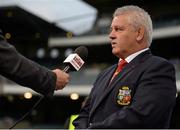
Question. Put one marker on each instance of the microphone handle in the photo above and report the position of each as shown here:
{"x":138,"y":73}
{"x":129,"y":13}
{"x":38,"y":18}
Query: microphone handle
{"x":66,"y":69}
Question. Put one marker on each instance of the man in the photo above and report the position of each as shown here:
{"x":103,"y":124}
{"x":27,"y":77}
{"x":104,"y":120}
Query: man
{"x":143,"y":94}
{"x":27,"y":73}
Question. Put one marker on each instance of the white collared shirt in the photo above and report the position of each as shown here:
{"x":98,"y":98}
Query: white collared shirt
{"x":132,"y":56}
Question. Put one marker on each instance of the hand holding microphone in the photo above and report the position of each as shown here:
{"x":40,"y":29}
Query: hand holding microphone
{"x":72,"y":63}
{"x":62,"y":79}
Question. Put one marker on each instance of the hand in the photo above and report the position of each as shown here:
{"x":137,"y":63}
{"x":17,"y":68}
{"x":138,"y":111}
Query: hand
{"x":62,"y":79}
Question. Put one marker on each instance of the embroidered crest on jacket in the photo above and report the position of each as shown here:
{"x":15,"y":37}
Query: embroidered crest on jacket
{"x":124,"y":96}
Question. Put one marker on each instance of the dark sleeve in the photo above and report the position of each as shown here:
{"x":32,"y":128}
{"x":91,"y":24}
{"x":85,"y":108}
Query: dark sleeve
{"x":24,"y":71}
{"x":81,"y":122}
{"x":153,"y":100}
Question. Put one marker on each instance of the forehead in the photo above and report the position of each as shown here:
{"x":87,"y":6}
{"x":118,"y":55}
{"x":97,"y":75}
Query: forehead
{"x":120,"y":20}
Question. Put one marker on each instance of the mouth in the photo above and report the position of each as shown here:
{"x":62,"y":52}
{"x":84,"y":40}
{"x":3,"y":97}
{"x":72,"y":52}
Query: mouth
{"x":113,"y":44}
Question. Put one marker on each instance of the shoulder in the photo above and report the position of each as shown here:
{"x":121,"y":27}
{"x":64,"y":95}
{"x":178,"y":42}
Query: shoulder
{"x":159,"y":60}
{"x":158,"y":64}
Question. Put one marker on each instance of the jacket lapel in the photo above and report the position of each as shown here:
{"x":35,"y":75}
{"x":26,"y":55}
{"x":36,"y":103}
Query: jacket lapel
{"x":107,"y":88}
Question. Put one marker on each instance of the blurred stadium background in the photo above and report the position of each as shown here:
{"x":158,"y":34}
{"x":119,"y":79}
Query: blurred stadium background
{"x":47,"y":31}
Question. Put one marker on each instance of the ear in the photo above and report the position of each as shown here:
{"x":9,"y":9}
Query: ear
{"x":140,"y":33}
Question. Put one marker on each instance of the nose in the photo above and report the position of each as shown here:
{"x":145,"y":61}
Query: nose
{"x":112,"y":35}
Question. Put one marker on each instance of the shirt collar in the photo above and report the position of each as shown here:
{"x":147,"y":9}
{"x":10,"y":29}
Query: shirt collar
{"x":132,"y":56}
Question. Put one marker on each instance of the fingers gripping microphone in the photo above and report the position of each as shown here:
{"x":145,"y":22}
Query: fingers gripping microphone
{"x":76,"y":60}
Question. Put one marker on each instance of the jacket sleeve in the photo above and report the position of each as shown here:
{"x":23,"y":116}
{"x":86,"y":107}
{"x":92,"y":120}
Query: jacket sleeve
{"x":154,"y":96}
{"x":24,"y":71}
{"x":81,"y":122}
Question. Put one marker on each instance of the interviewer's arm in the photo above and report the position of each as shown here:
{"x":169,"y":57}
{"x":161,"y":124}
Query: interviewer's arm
{"x":28,"y":73}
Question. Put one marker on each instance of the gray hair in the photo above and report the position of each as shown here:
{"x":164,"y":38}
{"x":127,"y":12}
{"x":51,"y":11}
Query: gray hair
{"x":139,"y":18}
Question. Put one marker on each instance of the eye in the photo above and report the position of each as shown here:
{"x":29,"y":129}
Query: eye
{"x":117,"y":29}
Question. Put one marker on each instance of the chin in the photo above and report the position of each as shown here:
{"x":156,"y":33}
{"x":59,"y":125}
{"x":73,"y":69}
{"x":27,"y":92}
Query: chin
{"x":115,"y":53}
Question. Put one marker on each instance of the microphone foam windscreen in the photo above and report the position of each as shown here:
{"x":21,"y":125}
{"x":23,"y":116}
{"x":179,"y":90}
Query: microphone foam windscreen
{"x":82,"y":51}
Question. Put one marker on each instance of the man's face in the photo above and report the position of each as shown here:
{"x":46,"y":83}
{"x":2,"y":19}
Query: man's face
{"x":123,"y":37}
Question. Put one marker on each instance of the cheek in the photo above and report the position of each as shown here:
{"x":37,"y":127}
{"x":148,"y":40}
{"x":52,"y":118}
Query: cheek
{"x":122,"y":43}
{"x":123,"y":39}
{"x":126,"y":42}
